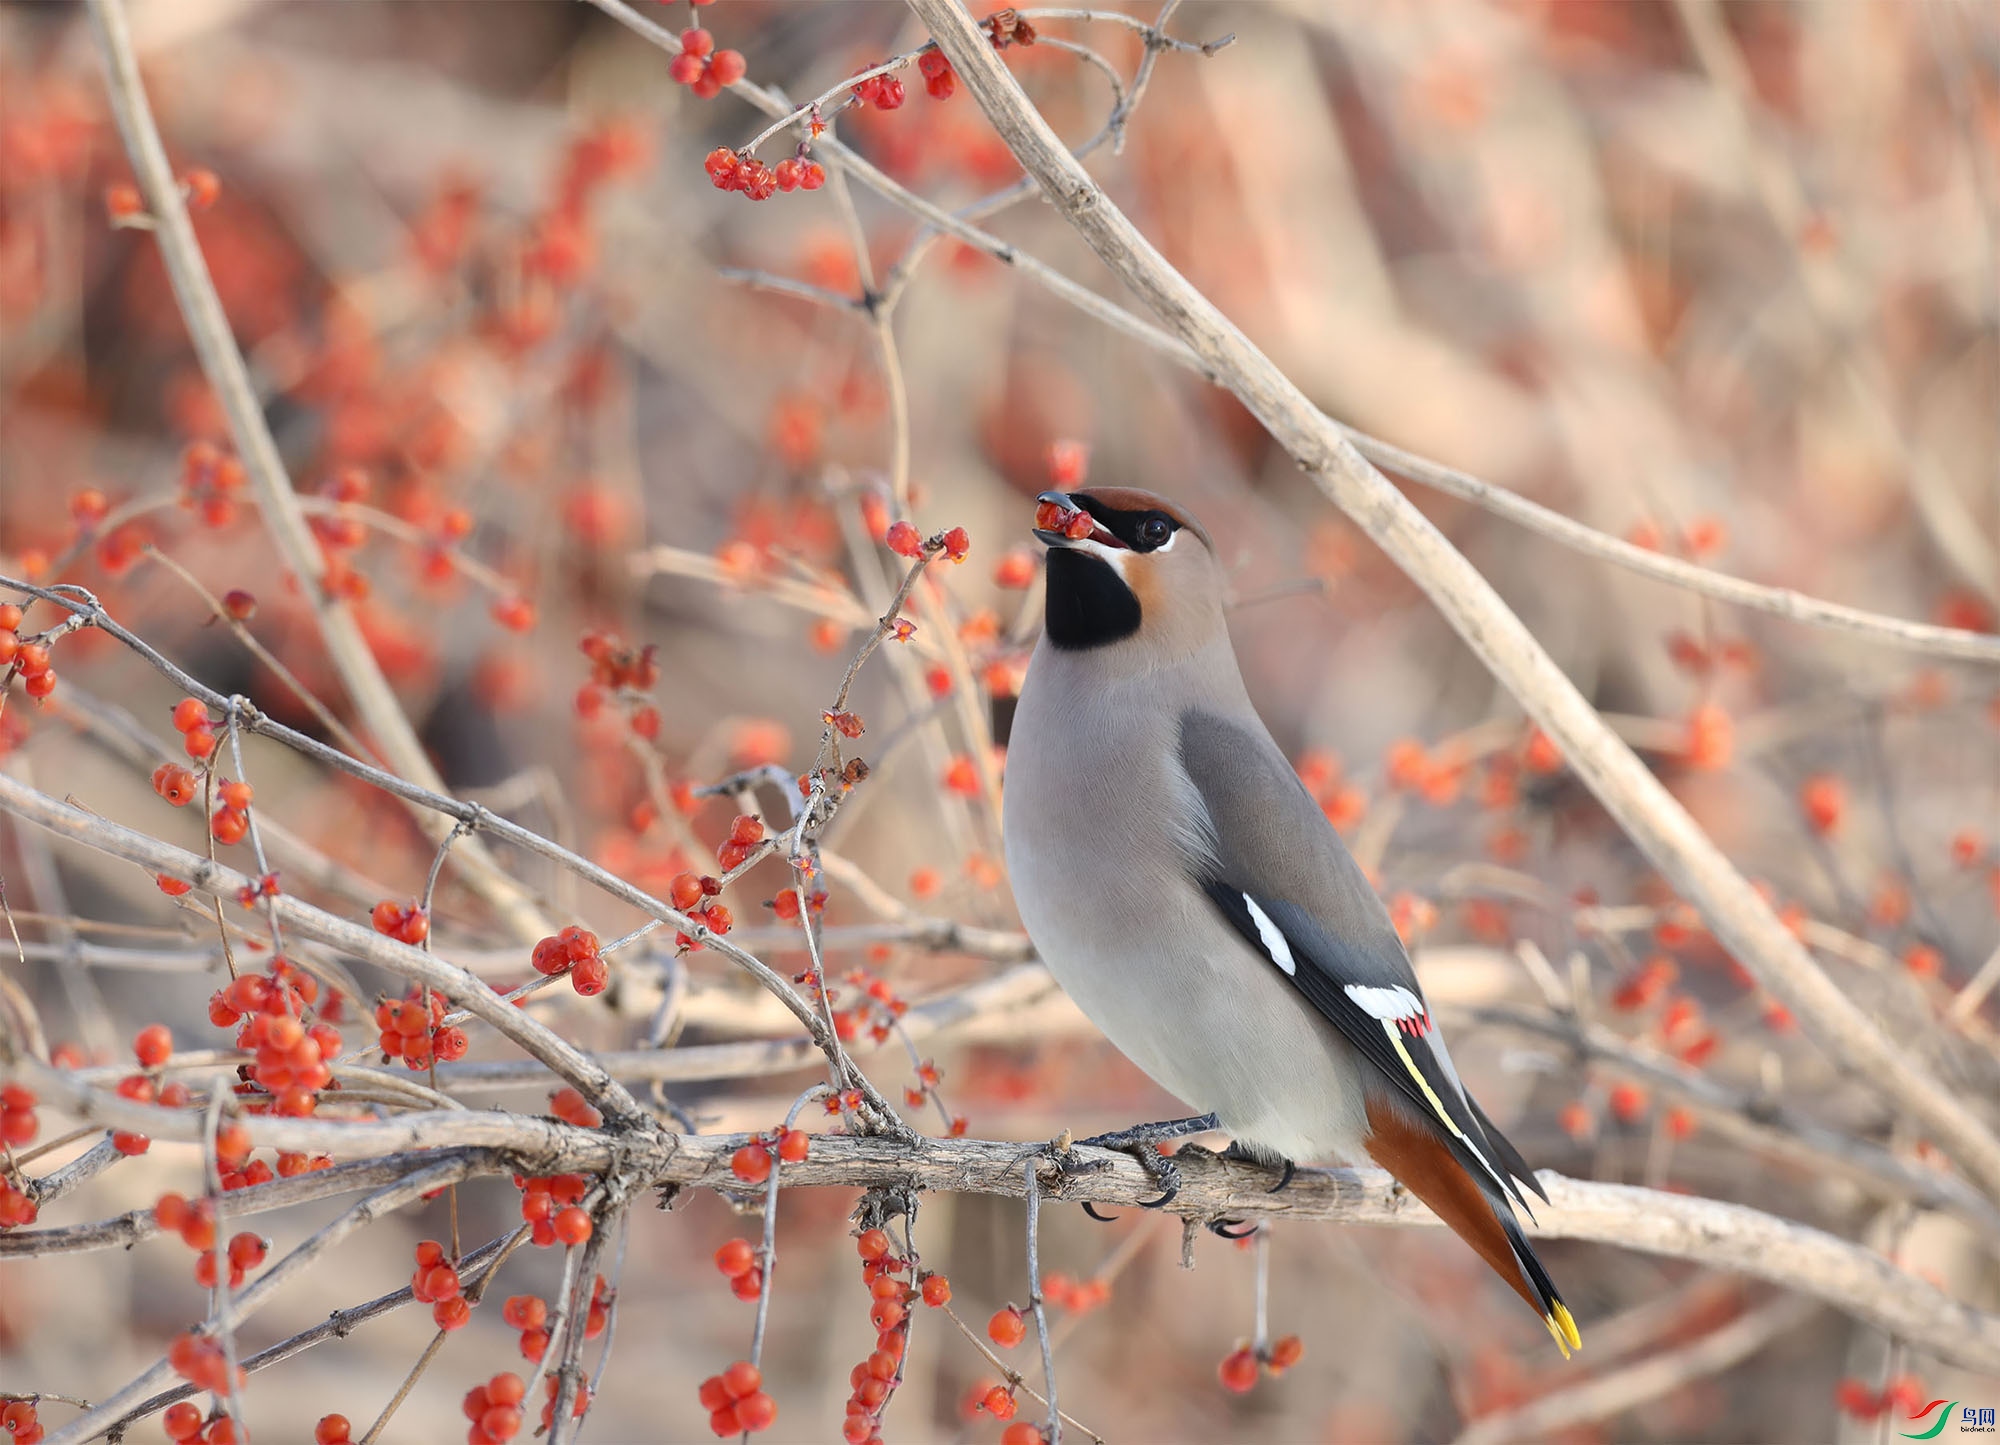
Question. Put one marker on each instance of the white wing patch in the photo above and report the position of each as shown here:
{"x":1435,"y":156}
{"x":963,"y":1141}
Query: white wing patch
{"x":1393,"y":1004}
{"x":1273,"y":939}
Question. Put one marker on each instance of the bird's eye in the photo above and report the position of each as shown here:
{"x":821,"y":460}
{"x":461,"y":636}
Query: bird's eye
{"x":1154,"y":531}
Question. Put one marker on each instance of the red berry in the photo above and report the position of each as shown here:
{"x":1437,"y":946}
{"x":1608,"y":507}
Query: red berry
{"x":902,"y":539}
{"x":998,"y":1402}
{"x":1238,"y":1371}
{"x":190,"y":713}
{"x":793,"y":1146}
{"x":736,"y":1258}
{"x":199,"y":741}
{"x":698,"y":43}
{"x":572,"y":1225}
{"x":872,"y":1244}
{"x":726,"y":67}
{"x":751,"y":1164}
{"x":1285,"y":1353}
{"x":154,"y":1046}
{"x":1021,"y":1433}
{"x":937,"y":1290}
{"x":203,"y":186}
{"x":812,"y":175}
{"x":756,"y":1411}
{"x":1006,"y":1329}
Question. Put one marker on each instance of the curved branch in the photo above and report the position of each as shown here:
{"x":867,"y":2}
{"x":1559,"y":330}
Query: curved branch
{"x":1743,"y":921}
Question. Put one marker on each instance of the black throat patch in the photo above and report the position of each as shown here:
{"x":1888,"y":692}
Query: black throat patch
{"x":1089,"y":604}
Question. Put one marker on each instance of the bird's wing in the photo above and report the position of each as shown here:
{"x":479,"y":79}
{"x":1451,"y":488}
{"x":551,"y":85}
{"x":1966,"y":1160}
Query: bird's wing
{"x":1279,"y":873}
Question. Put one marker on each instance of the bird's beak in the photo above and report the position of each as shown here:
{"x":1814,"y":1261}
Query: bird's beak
{"x":1060,"y":522}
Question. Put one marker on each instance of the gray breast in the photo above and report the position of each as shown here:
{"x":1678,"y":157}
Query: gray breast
{"x":1100,"y":823}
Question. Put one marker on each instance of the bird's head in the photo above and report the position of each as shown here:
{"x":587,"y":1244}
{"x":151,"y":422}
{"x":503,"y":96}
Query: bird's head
{"x":1128,"y":570}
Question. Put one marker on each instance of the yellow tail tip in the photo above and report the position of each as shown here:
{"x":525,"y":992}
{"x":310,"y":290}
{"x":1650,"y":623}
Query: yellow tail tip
{"x":1562,"y":1324}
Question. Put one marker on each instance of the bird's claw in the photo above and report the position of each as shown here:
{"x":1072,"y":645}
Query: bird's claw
{"x":1263,"y":1161}
{"x":1227,"y":1229}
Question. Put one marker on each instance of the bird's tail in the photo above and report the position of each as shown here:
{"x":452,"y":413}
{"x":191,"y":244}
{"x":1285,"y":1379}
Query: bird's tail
{"x":1432,"y":1168}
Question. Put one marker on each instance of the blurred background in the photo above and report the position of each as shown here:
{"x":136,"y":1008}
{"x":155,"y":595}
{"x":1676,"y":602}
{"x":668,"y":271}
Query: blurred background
{"x":1719,"y":279}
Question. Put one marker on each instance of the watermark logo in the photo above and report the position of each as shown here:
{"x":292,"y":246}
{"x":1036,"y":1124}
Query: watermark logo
{"x":1971,"y":1420}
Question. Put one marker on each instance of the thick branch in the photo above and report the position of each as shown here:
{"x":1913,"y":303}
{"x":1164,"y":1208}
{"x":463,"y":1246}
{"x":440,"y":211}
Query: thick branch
{"x":1709,"y":1232}
{"x":1740,"y":919}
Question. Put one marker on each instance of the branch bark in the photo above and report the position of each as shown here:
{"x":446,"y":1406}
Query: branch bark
{"x":1705,"y":1231}
{"x":1650,"y":815}
{"x":222,"y":364}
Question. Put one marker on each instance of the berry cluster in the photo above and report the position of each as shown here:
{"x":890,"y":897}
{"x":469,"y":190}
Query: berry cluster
{"x":412,"y":1028}
{"x":553,"y":1208}
{"x":616,"y":668}
{"x":407,"y":922}
{"x":895,"y":1285}
{"x":29,"y":659}
{"x":528,"y":1314}
{"x":572,"y":1108}
{"x":339,"y":535}
{"x":18,"y":1419}
{"x":1905,"y":1394}
{"x":550,"y":1388}
{"x":736,"y":1402}
{"x":574,"y":951}
{"x":1073,"y":522}
{"x":209,"y":483}
{"x":730,"y":170}
{"x":200,"y":1361}
{"x":745,"y":833}
{"x":1238,"y":1371}
{"x":939,"y":79}
{"x":184,"y":1424}
{"x":494,"y":1409}
{"x":903,"y":539}
{"x":16,"y":1208}
{"x":1008,"y":27}
{"x":194,"y":1221}
{"x":435,"y":1282}
{"x":752,"y":1162}
{"x":884,"y":92}
{"x":738,"y":1261}
{"x":702,"y":68}
{"x":687,"y":890}
{"x":18,"y":1125}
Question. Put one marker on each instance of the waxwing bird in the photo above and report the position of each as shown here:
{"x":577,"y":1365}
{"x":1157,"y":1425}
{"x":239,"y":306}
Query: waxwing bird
{"x":1185,"y":889}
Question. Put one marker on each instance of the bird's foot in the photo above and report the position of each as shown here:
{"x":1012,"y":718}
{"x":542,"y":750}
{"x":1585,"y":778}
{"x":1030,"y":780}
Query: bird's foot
{"x":1232,"y":1229}
{"x":1142,"y":1143}
{"x":1246,"y":1156}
